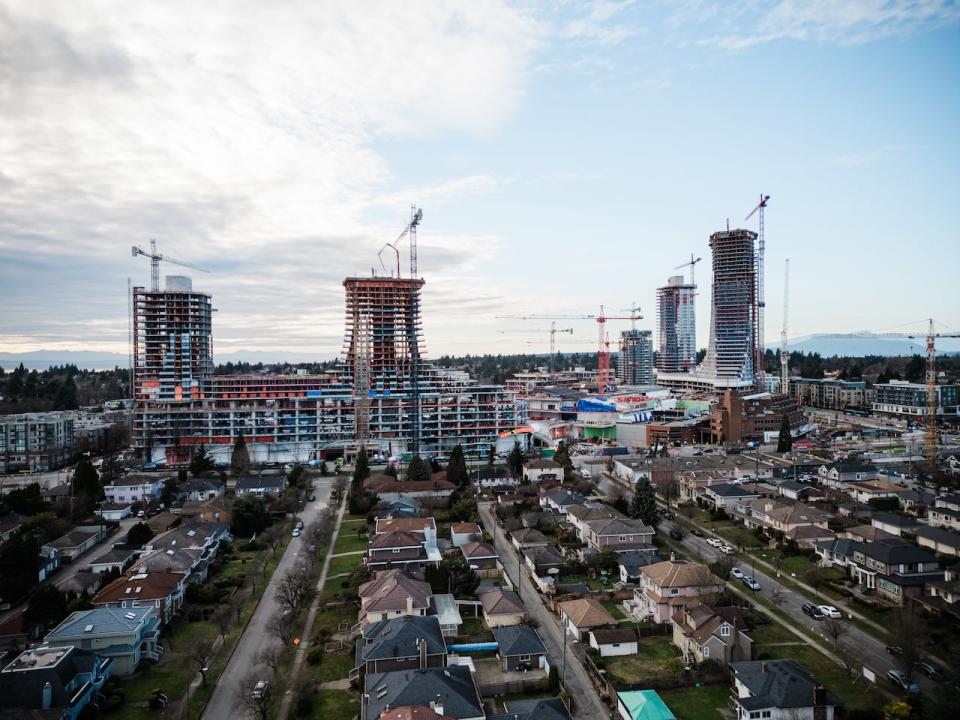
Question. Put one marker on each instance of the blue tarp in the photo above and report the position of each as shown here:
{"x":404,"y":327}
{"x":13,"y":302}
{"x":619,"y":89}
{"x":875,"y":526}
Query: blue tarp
{"x":595,"y":406}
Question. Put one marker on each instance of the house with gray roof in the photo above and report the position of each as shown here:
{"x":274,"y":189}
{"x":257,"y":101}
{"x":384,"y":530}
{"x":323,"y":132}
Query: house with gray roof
{"x":449,"y":691}
{"x":561,"y":500}
{"x":536,"y":709}
{"x":126,"y":635}
{"x":268,"y":485}
{"x":519,"y":647}
{"x":894,"y":568}
{"x":725,"y":496}
{"x":619,"y":534}
{"x":938,"y":540}
{"x":780,"y":690}
{"x":52,"y":682}
{"x":630,"y":563}
{"x":401,"y":643}
{"x":527,"y":538}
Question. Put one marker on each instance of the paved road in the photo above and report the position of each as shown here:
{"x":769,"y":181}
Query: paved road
{"x":223,"y":703}
{"x":867,"y":649}
{"x":587,"y":702}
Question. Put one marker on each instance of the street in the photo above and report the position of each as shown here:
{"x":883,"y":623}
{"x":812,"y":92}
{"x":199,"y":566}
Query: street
{"x":865,"y":648}
{"x":587,"y":703}
{"x":223,"y":703}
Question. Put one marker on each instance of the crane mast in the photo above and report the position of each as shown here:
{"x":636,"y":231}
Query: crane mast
{"x":784,"y":352}
{"x":759,"y":370}
{"x":155,"y":259}
{"x":411,"y":230}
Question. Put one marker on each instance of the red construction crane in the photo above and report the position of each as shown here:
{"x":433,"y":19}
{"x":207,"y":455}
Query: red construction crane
{"x":603,"y":345}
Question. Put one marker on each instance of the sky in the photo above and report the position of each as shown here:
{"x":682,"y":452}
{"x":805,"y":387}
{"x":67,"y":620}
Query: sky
{"x":566,"y":155}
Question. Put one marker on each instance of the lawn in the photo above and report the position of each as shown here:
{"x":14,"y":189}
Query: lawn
{"x":613,"y":607}
{"x":698,"y":703}
{"x":833,"y":676}
{"x":333,"y":705}
{"x":349,"y":541}
{"x":654,"y":653}
{"x":332,"y":666}
{"x":589,"y":582}
{"x":473,"y":627}
{"x":772,"y":632}
{"x":344,"y":565}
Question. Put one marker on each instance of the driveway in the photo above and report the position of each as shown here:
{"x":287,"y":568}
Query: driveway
{"x":588,"y":705}
{"x":223,"y":703}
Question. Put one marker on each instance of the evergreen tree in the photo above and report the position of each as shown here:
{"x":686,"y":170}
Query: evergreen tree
{"x":86,"y":487}
{"x":515,"y":460}
{"x":139,"y":534}
{"x":562,"y":456}
{"x":66,"y":398}
{"x":201,"y":462}
{"x":418,"y":470}
{"x":361,"y":471}
{"x":240,"y":458}
{"x":785,"y":441}
{"x":457,"y":468}
{"x":644,"y":505}
{"x":491,"y":457}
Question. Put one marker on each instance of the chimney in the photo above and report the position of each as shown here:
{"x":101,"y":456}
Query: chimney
{"x":423,"y":653}
{"x":47,"y":697}
{"x":438,"y":705}
{"x":819,"y":695}
{"x":409,"y":604}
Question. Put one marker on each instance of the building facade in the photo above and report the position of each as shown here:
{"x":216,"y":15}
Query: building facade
{"x":35,"y":442}
{"x":635,"y":364}
{"x":906,"y":399}
{"x":830,"y":394}
{"x":677,"y":326}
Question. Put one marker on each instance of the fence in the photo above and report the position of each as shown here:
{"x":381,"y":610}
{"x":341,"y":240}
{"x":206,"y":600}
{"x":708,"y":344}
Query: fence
{"x":685,"y":679}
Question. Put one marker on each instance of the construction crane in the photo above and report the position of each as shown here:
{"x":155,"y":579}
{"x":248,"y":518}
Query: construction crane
{"x":155,"y":259}
{"x":692,"y":263}
{"x":634,"y":310}
{"x":553,"y":338}
{"x":930,"y":415}
{"x":784,"y":352}
{"x":761,"y":304}
{"x":603,"y":345}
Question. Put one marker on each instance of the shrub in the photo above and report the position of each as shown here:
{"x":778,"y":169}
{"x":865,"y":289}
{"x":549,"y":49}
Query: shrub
{"x":304,"y":704}
{"x":315,"y":656}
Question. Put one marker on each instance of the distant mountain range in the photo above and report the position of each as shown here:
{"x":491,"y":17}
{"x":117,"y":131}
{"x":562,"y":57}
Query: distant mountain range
{"x":861,"y":346}
{"x":92,"y":360}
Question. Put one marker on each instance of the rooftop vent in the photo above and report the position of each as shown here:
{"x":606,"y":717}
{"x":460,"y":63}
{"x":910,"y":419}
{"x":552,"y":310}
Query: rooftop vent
{"x":130,"y":616}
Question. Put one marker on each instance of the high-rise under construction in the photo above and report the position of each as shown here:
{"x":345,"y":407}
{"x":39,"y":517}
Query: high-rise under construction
{"x":677,"y":326}
{"x":635,"y":362}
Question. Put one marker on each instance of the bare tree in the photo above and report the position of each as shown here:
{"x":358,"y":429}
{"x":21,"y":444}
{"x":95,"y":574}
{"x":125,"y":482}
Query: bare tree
{"x":255,"y":701}
{"x":281,"y":627}
{"x":836,"y":629}
{"x":225,"y":620}
{"x":272,"y":658}
{"x":909,"y":632}
{"x":201,"y":652}
{"x":778,"y":597}
{"x":273,"y":536}
{"x":297,"y":588}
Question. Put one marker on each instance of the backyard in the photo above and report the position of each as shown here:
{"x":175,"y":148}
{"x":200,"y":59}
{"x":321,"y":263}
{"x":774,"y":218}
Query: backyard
{"x":698,"y":703}
{"x":348,"y":540}
{"x":655,"y":656}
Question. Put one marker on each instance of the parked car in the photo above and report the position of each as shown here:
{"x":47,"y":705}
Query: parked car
{"x":726,"y":550}
{"x":930,"y":670}
{"x":714,"y":542}
{"x":750,"y":582}
{"x":312,"y":498}
{"x":697,"y":531}
{"x":737,"y":573}
{"x":813,"y":611}
{"x":296,"y":532}
{"x":830,"y":611}
{"x":899,"y":679}
{"x":260,"y":689}
{"x":894,"y":649}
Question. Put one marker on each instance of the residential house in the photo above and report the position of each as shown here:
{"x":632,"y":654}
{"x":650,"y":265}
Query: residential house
{"x":579,"y":515}
{"x":402,"y":643}
{"x":944,"y":595}
{"x":482,"y":558}
{"x":403,"y":506}
{"x":561,"y":500}
{"x":951,"y":501}
{"x":390,"y":489}
{"x":838,"y":475}
{"x":119,"y":558}
{"x":48,"y":562}
{"x":725,"y":496}
{"x":894,"y":568}
{"x":127,"y":636}
{"x":462,"y":533}
{"x":668,"y":586}
{"x":78,"y":541}
{"x":944,"y":514}
{"x":82,"y":582}
{"x":490,"y":478}
{"x":535,"y":709}
{"x":393,"y":593}
{"x":412,"y":712}
{"x":187,"y":549}
{"x":542,"y":470}
{"x":425,"y":526}
{"x":218,"y":509}
{"x":114,"y":512}
{"x":161,"y":590}
{"x":611,"y":642}
{"x":898,"y":525}
{"x":579,"y":617}
{"x":448,"y":691}
{"x":519,"y":647}
{"x":780,"y":690}
{"x":619,"y":534}
{"x":52,"y":683}
{"x":705,"y":633}
{"x":400,"y":549}
{"x":265,"y":486}
{"x":838,"y":551}
{"x":938,"y":540}
{"x":795,"y":490}
{"x":502,"y":608}
{"x":864,"y":492}
{"x":776,"y":516}
{"x":807,"y":536}
{"x":58,"y":494}
{"x":528,"y":538}
{"x":916,"y":501}
{"x":544,"y":561}
{"x":9,"y":524}
{"x":200,"y":489}
{"x":135,"y":488}
{"x":631,"y":562}
{"x":866,"y":533}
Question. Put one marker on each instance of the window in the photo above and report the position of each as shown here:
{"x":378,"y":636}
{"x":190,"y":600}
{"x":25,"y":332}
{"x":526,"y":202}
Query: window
{"x":396,"y":551}
{"x":524,"y":658}
{"x":674,"y":591}
{"x":725,"y":631}
{"x":765,"y":714}
{"x":706,"y":651}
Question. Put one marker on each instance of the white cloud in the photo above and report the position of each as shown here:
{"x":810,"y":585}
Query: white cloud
{"x":241,"y":135}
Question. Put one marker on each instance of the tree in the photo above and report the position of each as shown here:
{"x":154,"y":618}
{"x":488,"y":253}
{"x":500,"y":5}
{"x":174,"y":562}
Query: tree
{"x":909,"y":632}
{"x":361,"y":471}
{"x":201,"y":462}
{"x":139,"y":534}
{"x":644,"y":505}
{"x":19,"y":565}
{"x":281,"y":627}
{"x":66,"y":398}
{"x":86,"y":487}
{"x":201,"y":652}
{"x":785,"y":441}
{"x":836,"y":629}
{"x":515,"y":460}
{"x":562,"y":456}
{"x":297,"y":589}
{"x":250,"y":516}
{"x":465,"y":510}
{"x":46,"y":607}
{"x":272,"y":658}
{"x":491,"y":457}
{"x":457,"y":468}
{"x":110,"y":468}
{"x":239,"y":458}
{"x":418,"y":470}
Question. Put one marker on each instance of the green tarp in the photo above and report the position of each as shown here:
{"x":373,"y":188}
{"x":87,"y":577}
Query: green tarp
{"x":645,"y":705}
